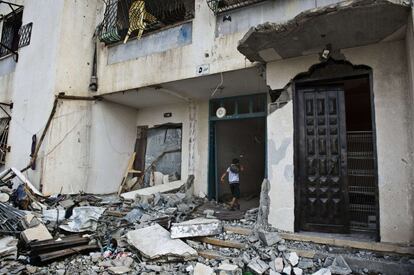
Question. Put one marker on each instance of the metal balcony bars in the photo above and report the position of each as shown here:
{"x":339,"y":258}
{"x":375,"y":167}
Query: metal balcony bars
{"x":140,"y":16}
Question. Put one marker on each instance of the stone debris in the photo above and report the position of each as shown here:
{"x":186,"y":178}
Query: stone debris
{"x":323,"y":271}
{"x":293,"y":258}
{"x":269,"y":238}
{"x":258,"y":266}
{"x":155,"y":242}
{"x":156,"y":230}
{"x":340,"y":266}
{"x":229,"y":269}
{"x":278,"y":264}
{"x":196,"y":228}
{"x":202,"y":269}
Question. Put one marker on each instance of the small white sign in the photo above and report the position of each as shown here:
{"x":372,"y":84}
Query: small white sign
{"x":203,"y":69}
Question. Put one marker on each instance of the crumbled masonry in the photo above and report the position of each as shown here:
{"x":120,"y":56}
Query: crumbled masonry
{"x":163,"y":233}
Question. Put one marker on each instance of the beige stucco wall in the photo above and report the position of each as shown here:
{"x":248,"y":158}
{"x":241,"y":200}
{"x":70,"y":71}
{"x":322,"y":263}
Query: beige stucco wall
{"x":393,"y":125}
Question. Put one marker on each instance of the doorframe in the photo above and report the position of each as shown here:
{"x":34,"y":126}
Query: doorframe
{"x":213,"y":185}
{"x":305,"y":79}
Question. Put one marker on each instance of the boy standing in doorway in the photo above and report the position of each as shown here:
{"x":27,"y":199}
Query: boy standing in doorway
{"x":234,"y":181}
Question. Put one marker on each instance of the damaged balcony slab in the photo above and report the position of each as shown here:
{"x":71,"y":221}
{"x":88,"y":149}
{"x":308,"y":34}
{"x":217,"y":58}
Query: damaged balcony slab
{"x":196,"y":228}
{"x":162,"y":188}
{"x":343,"y":25}
{"x":155,"y":242}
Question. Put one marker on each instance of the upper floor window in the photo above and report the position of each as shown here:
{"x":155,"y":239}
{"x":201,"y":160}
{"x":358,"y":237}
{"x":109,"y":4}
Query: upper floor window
{"x":10,"y":32}
{"x":13,"y":34}
{"x":219,"y":6}
{"x":126,"y":19}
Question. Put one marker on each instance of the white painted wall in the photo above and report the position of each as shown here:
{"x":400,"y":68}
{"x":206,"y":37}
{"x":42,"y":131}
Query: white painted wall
{"x":280,"y":167}
{"x":394,"y":127}
{"x":113,"y":134}
{"x":214,"y":42}
{"x":33,"y":82}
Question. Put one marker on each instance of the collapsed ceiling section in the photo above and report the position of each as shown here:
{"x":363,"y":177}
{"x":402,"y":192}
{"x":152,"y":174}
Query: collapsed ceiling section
{"x":343,"y":25}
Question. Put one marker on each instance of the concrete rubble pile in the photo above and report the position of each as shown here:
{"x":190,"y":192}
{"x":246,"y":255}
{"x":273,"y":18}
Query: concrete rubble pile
{"x":152,"y":233}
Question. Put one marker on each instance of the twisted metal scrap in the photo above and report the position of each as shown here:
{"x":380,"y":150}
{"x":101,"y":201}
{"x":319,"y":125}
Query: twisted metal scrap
{"x":138,"y":19}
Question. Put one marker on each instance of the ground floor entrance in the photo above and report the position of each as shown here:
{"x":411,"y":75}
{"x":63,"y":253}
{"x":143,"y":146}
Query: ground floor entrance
{"x":239,"y":134}
{"x":336,"y":176}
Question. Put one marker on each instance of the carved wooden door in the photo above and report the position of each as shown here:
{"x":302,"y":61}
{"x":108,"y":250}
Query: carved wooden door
{"x":321,"y":151}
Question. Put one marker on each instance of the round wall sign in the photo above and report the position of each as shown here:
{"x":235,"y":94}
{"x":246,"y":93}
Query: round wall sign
{"x":221,"y":112}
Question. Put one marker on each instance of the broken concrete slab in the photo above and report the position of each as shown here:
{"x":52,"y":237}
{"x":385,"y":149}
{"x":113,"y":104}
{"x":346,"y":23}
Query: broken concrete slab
{"x":196,"y":228}
{"x":269,"y":238}
{"x":163,"y":188}
{"x":340,"y":266}
{"x":155,"y":242}
{"x":229,"y":269}
{"x":201,"y":269}
{"x":258,"y":266}
{"x":37,"y":233}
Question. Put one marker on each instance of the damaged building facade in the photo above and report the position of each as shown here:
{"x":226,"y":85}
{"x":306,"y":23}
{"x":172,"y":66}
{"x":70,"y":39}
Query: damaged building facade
{"x":316,"y":96}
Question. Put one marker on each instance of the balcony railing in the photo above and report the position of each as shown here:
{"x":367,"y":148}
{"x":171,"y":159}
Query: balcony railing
{"x":126,"y":19}
{"x":220,"y":6}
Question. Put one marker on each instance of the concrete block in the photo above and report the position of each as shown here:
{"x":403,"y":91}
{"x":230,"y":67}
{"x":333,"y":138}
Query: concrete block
{"x":201,"y":269}
{"x":278,"y":264}
{"x":269,"y":238}
{"x":229,"y":269}
{"x":293,"y":258}
{"x":297,"y":271}
{"x":196,"y":228}
{"x":155,"y":242}
{"x":258,"y":266}
{"x":37,"y":233}
{"x":287,"y":270}
{"x":340,"y":266}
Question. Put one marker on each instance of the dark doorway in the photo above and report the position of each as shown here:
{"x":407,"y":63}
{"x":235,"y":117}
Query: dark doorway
{"x":239,"y":133}
{"x":336,"y":186}
{"x":243,"y":139}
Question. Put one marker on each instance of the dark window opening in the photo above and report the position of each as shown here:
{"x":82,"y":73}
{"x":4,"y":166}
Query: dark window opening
{"x":10,"y":35}
{"x":158,"y":14}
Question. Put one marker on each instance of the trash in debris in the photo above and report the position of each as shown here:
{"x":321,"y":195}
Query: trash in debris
{"x":196,"y":228}
{"x":8,"y":248}
{"x":84,"y":218}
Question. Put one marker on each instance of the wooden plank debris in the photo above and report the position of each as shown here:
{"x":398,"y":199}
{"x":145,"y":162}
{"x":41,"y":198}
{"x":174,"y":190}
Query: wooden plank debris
{"x":223,"y":243}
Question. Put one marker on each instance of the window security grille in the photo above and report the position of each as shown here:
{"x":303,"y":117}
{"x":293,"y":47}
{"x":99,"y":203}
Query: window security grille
{"x":219,"y":6}
{"x":13,"y":34}
{"x":4,"y":133}
{"x":116,"y":22}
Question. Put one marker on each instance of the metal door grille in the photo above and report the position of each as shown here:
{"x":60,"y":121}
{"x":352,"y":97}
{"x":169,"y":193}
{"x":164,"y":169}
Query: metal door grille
{"x":361,"y":181}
